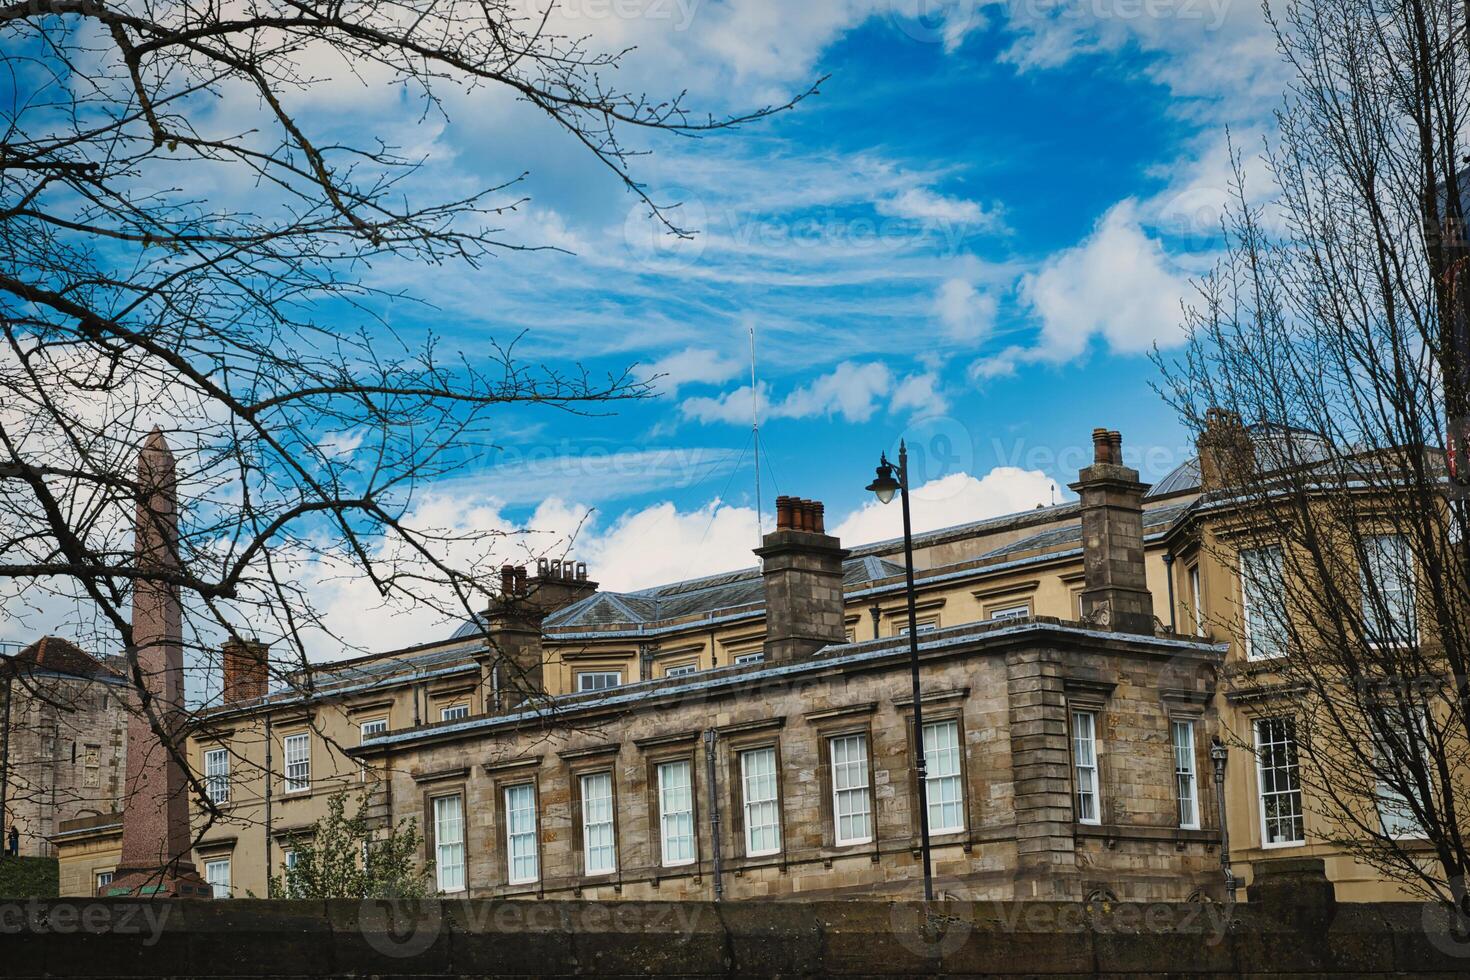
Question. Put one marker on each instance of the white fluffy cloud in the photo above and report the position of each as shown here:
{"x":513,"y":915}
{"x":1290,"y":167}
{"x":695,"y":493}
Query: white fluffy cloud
{"x":923,"y":204}
{"x":851,"y":391}
{"x":949,"y":500}
{"x":692,"y":365}
{"x":966,"y":314}
{"x":1118,"y":284}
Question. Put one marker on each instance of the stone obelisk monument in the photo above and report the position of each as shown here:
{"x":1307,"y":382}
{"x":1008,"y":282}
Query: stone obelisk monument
{"x":155,"y":845}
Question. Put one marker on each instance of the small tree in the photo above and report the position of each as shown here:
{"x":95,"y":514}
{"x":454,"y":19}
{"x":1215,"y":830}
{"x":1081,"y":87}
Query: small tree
{"x":341,"y":857}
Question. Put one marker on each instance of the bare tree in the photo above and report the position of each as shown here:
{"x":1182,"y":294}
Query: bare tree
{"x":131,"y":298}
{"x":1335,"y":328}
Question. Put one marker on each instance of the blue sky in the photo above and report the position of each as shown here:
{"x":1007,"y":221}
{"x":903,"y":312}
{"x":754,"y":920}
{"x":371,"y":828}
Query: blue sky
{"x":970,"y":238}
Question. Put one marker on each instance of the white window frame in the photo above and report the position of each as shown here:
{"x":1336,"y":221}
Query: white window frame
{"x":760,"y":791}
{"x":1406,"y":591}
{"x":1186,"y":772}
{"x":219,"y":888}
{"x":217,"y":775}
{"x":1196,"y":599}
{"x":583,"y":678}
{"x":1288,"y":739}
{"x":758,"y":657}
{"x":945,"y":775}
{"x":102,"y":879}
{"x":365,"y":731}
{"x":1086,"y":784}
{"x":851,"y":795}
{"x":1410,"y":828}
{"x":300,"y":780}
{"x":1251,"y":604}
{"x":521,"y":844}
{"x":1018,"y":611}
{"x":673,"y":813}
{"x":450,"y":866}
{"x":454,"y":712}
{"x":926,"y":625}
{"x":598,"y":818}
{"x":682,"y":670}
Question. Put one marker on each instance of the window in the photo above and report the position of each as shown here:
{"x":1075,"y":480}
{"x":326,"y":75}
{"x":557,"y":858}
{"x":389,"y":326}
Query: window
{"x":676,"y":812}
{"x":1186,"y":779}
{"x":1280,"y":786}
{"x":290,"y":860}
{"x":520,"y":833}
{"x":1391,"y":753}
{"x":1084,"y":765}
{"x":751,"y":658}
{"x":104,"y":879}
{"x":598,"y":844}
{"x":762,"y":809}
{"x":683,"y":670}
{"x":1263,"y":602}
{"x":943,"y":789}
{"x":449,"y":843}
{"x":454,"y":712}
{"x":367,"y":730}
{"x":217,"y":874}
{"x":1010,"y":612}
{"x":598,"y":680}
{"x":1196,"y":601}
{"x":851,"y":806}
{"x":1386,"y":577}
{"x":217,"y":775}
{"x":925,"y":626}
{"x":298,"y":763}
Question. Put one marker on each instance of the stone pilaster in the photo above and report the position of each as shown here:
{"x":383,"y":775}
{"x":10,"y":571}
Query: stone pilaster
{"x":1046,"y":857}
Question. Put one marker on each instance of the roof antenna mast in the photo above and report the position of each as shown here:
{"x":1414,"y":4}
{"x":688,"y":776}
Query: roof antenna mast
{"x":755,"y":432}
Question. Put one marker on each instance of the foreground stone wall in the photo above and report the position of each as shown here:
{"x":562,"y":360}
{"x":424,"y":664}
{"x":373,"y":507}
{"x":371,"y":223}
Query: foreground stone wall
{"x":1291,"y":927}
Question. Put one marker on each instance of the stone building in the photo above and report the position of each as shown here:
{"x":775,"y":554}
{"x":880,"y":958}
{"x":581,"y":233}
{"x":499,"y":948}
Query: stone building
{"x":1090,"y":774}
{"x":62,"y":747}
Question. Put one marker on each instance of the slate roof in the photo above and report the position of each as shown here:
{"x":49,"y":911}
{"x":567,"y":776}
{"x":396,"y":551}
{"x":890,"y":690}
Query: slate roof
{"x":690,"y":598}
{"x":54,"y":655}
{"x":1155,"y":519}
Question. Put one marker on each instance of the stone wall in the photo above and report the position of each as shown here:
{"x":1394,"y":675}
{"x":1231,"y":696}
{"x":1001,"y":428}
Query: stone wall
{"x":1291,"y":927}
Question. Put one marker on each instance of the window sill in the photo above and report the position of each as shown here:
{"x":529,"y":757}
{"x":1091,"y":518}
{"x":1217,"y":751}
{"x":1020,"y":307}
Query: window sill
{"x":1279,"y":845}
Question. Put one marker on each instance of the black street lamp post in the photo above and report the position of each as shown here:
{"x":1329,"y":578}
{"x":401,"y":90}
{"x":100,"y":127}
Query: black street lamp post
{"x":885,"y":486}
{"x":1218,"y":756}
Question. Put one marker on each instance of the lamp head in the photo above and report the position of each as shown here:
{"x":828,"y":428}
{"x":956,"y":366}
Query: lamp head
{"x":884,"y":486}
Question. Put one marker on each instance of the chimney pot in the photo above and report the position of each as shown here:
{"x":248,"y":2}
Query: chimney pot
{"x":803,"y":582}
{"x":507,"y":580}
{"x":784,"y":513}
{"x":819,"y":521}
{"x":1100,"y":446}
{"x":246,"y":670}
{"x":1115,"y":447}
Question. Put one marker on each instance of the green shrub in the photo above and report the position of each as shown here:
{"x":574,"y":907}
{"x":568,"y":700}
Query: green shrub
{"x":29,"y":877}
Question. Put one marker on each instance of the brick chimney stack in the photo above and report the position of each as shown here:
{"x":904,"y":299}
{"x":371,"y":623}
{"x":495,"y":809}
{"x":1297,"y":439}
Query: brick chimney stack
{"x":1116,"y":595}
{"x":1227,"y":456}
{"x":511,"y":664}
{"x":558,"y":583}
{"x":246,"y":670}
{"x":802,"y":568}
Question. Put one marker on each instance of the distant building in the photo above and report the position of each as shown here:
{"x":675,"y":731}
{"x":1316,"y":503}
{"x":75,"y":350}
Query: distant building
{"x":62,"y":740}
